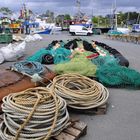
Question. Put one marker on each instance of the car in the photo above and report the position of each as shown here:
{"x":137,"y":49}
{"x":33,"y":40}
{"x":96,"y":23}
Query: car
{"x":80,"y":30}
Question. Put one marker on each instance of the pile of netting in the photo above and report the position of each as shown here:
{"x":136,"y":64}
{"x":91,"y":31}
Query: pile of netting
{"x":121,"y":59}
{"x":110,"y":73}
{"x":35,"y":114}
{"x":78,"y":64}
{"x":80,"y":92}
{"x":37,"y":56}
{"x":101,"y":61}
{"x":56,"y":56}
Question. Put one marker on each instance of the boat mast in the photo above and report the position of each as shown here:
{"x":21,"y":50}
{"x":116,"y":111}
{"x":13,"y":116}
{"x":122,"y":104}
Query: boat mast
{"x":115,"y":13}
{"x":114,"y":17}
{"x":127,"y":20}
{"x":78,"y":3}
{"x":138,"y":19}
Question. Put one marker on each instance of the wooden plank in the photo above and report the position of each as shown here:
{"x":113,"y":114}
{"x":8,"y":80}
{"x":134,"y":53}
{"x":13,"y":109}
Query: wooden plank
{"x":101,"y":109}
{"x":80,"y":125}
{"x":64,"y":136}
{"x":95,"y":111}
{"x":72,"y":131}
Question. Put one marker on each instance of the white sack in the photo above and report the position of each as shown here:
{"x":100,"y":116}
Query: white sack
{"x":1,"y":58}
{"x":29,"y":38}
{"x":17,"y":38}
{"x":13,"y":51}
{"x":37,"y":37}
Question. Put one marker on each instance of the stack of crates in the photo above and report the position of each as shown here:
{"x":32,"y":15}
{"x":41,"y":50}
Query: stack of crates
{"x":6,"y":36}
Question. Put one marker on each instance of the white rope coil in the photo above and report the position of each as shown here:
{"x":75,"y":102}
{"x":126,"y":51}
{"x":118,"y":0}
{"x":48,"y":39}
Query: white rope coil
{"x":34,"y":114}
{"x":79,"y":91}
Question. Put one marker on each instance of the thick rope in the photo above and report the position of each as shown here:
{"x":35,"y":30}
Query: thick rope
{"x":35,"y":114}
{"x":79,"y":91}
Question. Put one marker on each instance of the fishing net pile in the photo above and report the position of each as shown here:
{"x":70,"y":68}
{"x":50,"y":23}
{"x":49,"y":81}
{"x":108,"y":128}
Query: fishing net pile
{"x":51,"y":54}
{"x":110,"y":73}
{"x":94,"y":59}
{"x":121,"y":59}
{"x":78,"y":64}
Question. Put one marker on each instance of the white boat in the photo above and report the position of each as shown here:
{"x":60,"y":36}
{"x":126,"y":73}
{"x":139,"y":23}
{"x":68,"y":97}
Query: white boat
{"x":124,"y":30}
{"x":136,"y":28}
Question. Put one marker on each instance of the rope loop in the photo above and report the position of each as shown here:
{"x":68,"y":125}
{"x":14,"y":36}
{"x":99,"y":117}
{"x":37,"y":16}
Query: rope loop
{"x":80,"y":92}
{"x":35,"y":114}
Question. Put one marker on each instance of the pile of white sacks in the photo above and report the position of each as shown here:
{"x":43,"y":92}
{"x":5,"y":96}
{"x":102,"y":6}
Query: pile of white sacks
{"x":14,"y":51}
{"x":34,"y":37}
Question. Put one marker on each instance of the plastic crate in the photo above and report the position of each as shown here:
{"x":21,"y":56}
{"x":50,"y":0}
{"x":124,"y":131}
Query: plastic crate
{"x":6,"y":38}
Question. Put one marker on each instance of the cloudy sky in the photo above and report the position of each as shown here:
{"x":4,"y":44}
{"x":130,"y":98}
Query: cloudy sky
{"x":97,"y":7}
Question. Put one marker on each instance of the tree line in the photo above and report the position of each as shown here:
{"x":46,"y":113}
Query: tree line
{"x":123,"y":19}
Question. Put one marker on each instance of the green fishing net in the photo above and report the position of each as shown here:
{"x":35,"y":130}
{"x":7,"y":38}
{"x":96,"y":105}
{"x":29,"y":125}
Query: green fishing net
{"x":101,"y":61}
{"x":37,"y":57}
{"x":114,"y":75}
{"x":110,"y":73}
{"x":60,"y":55}
{"x":79,"y":64}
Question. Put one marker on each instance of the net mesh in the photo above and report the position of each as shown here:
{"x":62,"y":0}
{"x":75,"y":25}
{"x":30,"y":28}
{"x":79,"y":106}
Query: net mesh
{"x":59,"y":55}
{"x":111,"y":74}
{"x":79,"y":64}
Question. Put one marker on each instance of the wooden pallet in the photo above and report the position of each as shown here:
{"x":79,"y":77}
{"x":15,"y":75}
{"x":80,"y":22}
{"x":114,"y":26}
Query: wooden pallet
{"x":73,"y":132}
{"x":101,"y":110}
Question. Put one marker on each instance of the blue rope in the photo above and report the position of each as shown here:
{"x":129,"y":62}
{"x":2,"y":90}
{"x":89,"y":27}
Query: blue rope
{"x":28,"y":67}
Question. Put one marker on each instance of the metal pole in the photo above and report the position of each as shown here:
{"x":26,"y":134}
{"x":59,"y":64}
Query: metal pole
{"x":79,"y":8}
{"x":116,"y":20}
{"x":138,"y":19}
{"x":98,"y":21}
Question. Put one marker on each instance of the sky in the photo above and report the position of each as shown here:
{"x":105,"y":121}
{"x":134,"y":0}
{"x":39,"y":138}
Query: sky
{"x":90,"y":7}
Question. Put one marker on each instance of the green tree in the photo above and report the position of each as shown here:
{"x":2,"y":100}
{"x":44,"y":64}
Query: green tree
{"x":99,"y":21}
{"x":67,"y":17}
{"x":5,"y":11}
{"x":95,"y":20}
{"x":122,"y":18}
{"x":49,"y":14}
{"x":133,"y":17}
{"x":60,"y":20}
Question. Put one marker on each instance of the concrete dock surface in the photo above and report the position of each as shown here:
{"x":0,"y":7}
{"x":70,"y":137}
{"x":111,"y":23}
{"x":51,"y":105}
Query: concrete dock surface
{"x":122,"y":121}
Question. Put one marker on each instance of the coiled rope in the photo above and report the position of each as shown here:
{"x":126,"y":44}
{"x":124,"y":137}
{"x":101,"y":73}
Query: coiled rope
{"x":28,"y":67}
{"x":79,"y":91}
{"x":34,"y":114}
